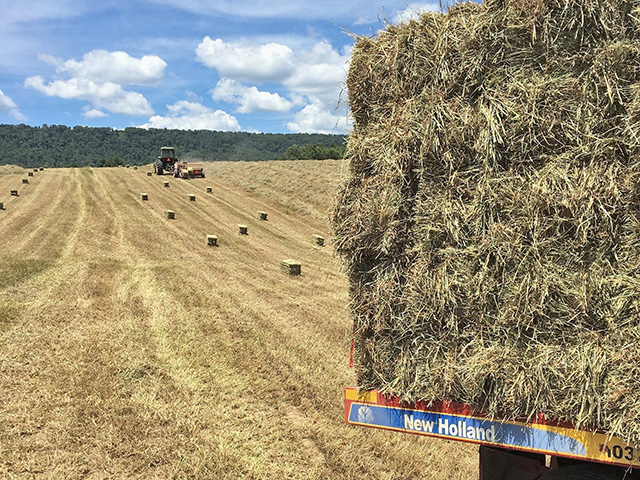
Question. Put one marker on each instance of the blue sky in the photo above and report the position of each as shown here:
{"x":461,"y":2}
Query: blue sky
{"x":255,"y":65}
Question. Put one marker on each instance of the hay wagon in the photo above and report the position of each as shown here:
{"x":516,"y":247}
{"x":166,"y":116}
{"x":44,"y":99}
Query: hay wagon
{"x":490,"y":231}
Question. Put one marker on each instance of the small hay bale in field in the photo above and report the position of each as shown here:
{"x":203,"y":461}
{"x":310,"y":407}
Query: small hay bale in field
{"x":290,"y":267}
{"x":128,"y":166}
{"x":170,"y":214}
{"x":35,"y":169}
{"x":489,"y":227}
{"x":212,"y":240}
{"x":192,"y":197}
{"x":318,"y":240}
{"x":14,"y":193}
{"x":25,"y":180}
{"x":209,"y":189}
{"x":149,"y":174}
{"x":262,"y":216}
{"x":135,"y":168}
{"x":243,"y":230}
{"x":144,"y":196}
{"x":41,"y":169}
{"x":30,"y":174}
{"x":166,"y":183}
{"x":1,"y":206}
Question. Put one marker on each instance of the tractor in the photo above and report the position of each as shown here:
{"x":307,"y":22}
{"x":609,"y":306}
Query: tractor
{"x":166,"y":161}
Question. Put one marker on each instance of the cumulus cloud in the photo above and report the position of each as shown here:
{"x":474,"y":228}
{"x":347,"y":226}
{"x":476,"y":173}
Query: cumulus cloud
{"x":249,"y":99}
{"x":312,"y":78}
{"x":317,"y":119}
{"x":98,"y":79}
{"x":116,"y":67}
{"x":108,"y":96}
{"x":93,"y":113}
{"x":9,"y":106}
{"x":184,"y":115}
{"x":245,"y":61}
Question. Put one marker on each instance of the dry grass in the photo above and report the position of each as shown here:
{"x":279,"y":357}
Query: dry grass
{"x":122,"y":358}
{"x":303,"y":186}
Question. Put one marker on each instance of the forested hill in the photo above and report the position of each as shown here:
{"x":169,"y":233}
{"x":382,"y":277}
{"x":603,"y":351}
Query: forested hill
{"x":61,"y":146}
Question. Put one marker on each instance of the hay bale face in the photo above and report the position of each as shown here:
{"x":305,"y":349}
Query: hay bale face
{"x":209,"y":189}
{"x":192,"y":197}
{"x":262,"y":216}
{"x":212,"y":240}
{"x":30,"y":174}
{"x":25,"y":180}
{"x":14,"y":193}
{"x":488,"y":226}
{"x":318,"y":240}
{"x":291,"y":267}
{"x":243,"y":230}
{"x":148,"y":174}
{"x":170,"y":214}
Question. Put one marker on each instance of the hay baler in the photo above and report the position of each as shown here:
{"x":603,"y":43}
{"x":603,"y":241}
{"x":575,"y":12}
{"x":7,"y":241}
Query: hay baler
{"x":508,"y":450}
{"x":188,"y":170}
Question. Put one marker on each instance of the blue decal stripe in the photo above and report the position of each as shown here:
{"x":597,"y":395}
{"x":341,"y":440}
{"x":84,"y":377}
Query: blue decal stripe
{"x":462,"y":427}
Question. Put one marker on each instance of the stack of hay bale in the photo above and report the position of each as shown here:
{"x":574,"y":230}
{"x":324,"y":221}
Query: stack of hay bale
{"x":491,"y":222}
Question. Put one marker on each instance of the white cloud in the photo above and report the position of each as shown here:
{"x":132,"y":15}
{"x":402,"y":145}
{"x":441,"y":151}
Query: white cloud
{"x":414,"y":10}
{"x":108,"y":96}
{"x":9,"y":106}
{"x":319,"y":74}
{"x":312,"y":77}
{"x":93,"y":113}
{"x":184,"y":115}
{"x":250,"y":99}
{"x":98,"y":79}
{"x":118,"y":67}
{"x":317,"y":119}
{"x":245,"y":61}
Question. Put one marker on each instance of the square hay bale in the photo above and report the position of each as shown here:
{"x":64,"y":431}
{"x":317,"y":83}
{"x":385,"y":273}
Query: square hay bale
{"x":262,"y":216}
{"x":149,"y":174}
{"x":489,"y":224}
{"x":318,"y":240}
{"x":166,"y":183}
{"x":192,"y":197}
{"x":170,"y":214}
{"x":30,"y":174}
{"x":14,"y":193}
{"x":25,"y":180}
{"x":212,"y":240}
{"x":1,"y":206}
{"x":41,"y":169}
{"x":144,"y":196}
{"x":35,"y":169}
{"x":243,"y":230}
{"x":291,"y":267}
{"x":209,"y":189}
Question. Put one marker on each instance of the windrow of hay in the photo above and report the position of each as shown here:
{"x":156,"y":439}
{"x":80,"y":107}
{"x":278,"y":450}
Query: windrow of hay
{"x":491,"y":222}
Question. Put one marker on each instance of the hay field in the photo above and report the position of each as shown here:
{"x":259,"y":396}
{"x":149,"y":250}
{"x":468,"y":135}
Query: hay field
{"x":130,"y":349}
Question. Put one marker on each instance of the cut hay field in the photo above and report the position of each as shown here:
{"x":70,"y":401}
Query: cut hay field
{"x":129,"y":349}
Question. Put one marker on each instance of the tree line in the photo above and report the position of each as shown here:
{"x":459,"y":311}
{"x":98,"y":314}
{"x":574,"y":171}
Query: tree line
{"x":62,"y":146}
